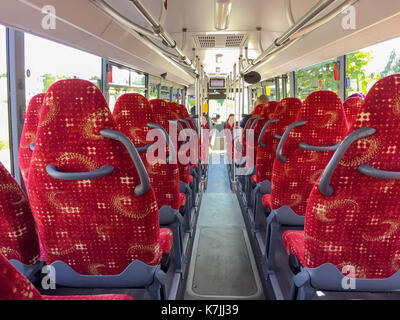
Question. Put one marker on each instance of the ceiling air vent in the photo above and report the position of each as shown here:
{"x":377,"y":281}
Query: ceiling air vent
{"x":233,"y":41}
{"x":206,"y":41}
{"x":218,"y":40}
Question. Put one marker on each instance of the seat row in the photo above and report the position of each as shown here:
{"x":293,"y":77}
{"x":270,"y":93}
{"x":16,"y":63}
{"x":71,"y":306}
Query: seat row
{"x":329,"y":170}
{"x":103,"y":212}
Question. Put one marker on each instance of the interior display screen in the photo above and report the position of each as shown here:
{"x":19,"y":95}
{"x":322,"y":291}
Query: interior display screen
{"x":217,"y":83}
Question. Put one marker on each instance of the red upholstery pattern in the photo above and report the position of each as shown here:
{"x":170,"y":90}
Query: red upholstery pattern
{"x":14,"y":286}
{"x":132,"y":113}
{"x":28,"y":135}
{"x":286,"y":111}
{"x":205,"y":139}
{"x":352,"y":107}
{"x":18,"y":237}
{"x":266,"y":200}
{"x":360,"y":224}
{"x":165,"y":240}
{"x":293,"y":180}
{"x":163,"y":112}
{"x":96,"y":226}
{"x":293,"y":240}
{"x":182,"y":199}
{"x":267,"y":113}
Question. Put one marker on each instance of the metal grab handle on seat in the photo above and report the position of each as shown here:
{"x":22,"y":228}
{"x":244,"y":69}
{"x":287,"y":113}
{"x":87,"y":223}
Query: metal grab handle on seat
{"x":324,"y":184}
{"x":172,"y":152}
{"x":279,"y":154}
{"x":308,"y":147}
{"x":248,"y":121}
{"x":376,"y":173}
{"x":144,"y":185}
{"x":194,"y":124}
{"x":266,"y":125}
{"x":71,"y":176}
{"x":255,"y":122}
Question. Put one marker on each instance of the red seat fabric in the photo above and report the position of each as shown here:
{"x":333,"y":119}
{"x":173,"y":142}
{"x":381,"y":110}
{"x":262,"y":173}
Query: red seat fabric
{"x":359,"y":225}
{"x":266,"y":112}
{"x":204,"y":139}
{"x":132,"y":113}
{"x":28,"y":135}
{"x":266,"y":200}
{"x":96,"y":226}
{"x":14,"y":286}
{"x":293,"y":240}
{"x":293,"y":180}
{"x":18,"y":237}
{"x":229,"y":135}
{"x":352,"y":107}
{"x":286,"y":111}
{"x":164,"y":112}
{"x":182,"y":199}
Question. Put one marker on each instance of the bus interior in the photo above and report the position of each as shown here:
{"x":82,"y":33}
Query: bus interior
{"x":199,"y":150}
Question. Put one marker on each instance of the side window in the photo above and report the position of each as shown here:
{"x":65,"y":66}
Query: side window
{"x":124,"y":80}
{"x":5,"y":156}
{"x":47,"y":62}
{"x":368,"y":65}
{"x":314,"y":78}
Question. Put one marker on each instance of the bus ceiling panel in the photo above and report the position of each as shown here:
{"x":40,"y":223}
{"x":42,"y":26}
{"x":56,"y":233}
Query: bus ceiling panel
{"x":374,"y":23}
{"x":14,"y":14}
{"x":91,"y":30}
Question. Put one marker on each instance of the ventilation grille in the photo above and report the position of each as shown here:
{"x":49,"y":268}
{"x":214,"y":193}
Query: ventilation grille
{"x":233,"y":41}
{"x":204,"y":41}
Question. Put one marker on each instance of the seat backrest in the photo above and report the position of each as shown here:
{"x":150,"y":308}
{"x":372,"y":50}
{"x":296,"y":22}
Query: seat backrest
{"x":96,"y":226}
{"x":132,"y":113}
{"x":326,"y":126}
{"x":13,"y":285}
{"x":286,"y":112}
{"x":28,"y":136}
{"x":266,"y":113}
{"x":359,"y":225}
{"x":352,"y":107}
{"x":18,"y":237}
{"x":230,"y":121}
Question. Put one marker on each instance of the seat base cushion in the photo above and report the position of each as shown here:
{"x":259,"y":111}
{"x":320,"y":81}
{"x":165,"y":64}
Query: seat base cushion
{"x":182,"y":199}
{"x":293,"y":240}
{"x":267,"y":201}
{"x":165,"y":240}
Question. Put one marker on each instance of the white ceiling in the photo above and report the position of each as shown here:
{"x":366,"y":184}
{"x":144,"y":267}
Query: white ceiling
{"x":197,"y":16}
{"x":83,"y":25}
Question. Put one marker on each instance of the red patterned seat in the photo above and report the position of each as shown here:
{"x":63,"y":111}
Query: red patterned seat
{"x":326,"y":125}
{"x":357,"y":223}
{"x":164,"y":112}
{"x":262,"y":114}
{"x":352,"y":107}
{"x":286,"y":112}
{"x":363,"y":210}
{"x":28,"y":136}
{"x":132,"y":114}
{"x":293,"y":241}
{"x":18,"y":237}
{"x":97,"y":226}
{"x":14,"y":286}
{"x":321,"y":122}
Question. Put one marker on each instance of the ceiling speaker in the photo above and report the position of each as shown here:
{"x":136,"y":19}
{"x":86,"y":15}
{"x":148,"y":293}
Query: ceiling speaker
{"x":252,"y":77}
